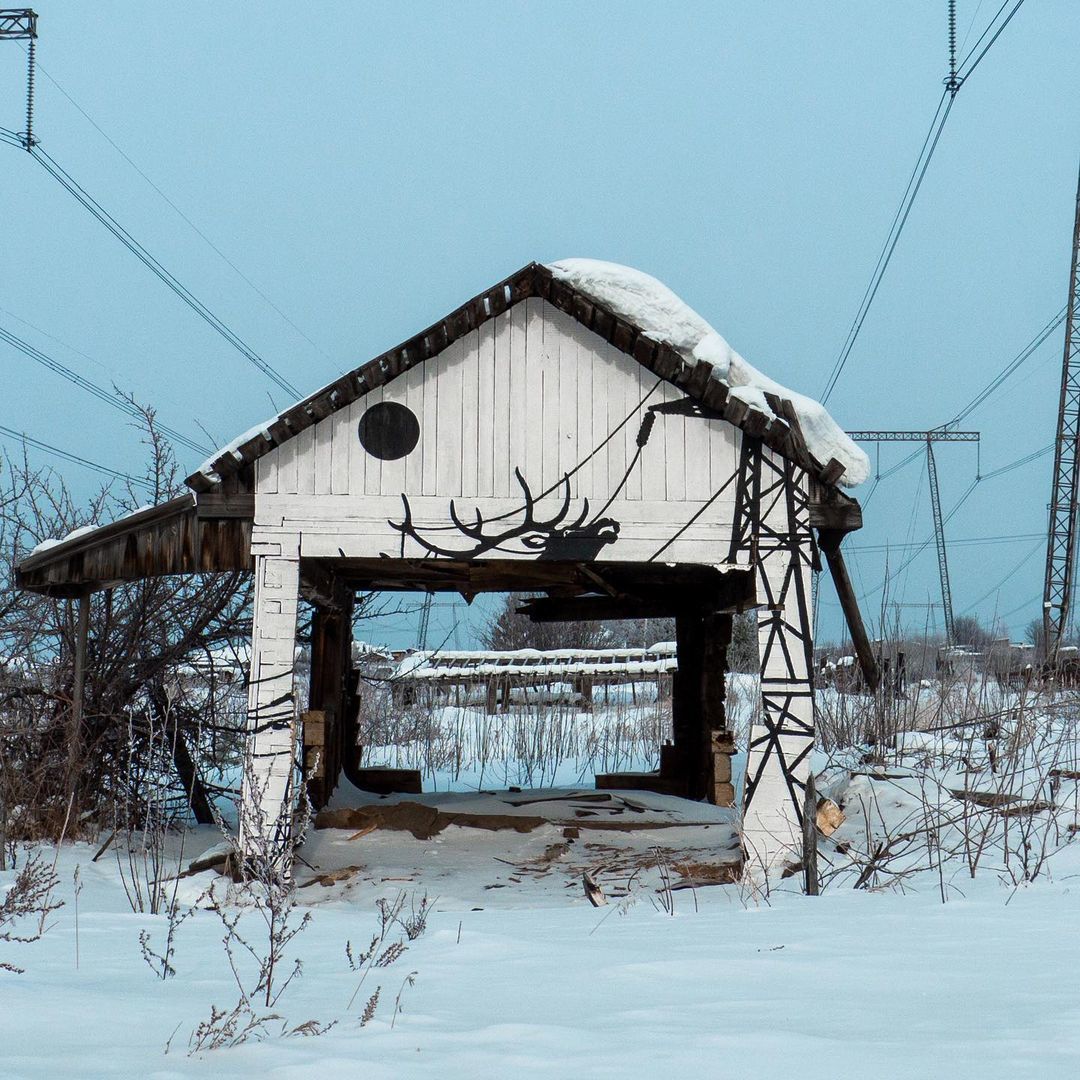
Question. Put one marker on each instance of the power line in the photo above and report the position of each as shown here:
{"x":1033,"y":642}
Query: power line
{"x":68,"y":182}
{"x":903,"y":211}
{"x":969,"y":541}
{"x":1021,"y":357}
{"x":92,"y":388}
{"x":920,"y":548}
{"x":22,"y":437}
{"x":966,"y":68}
{"x":195,"y":228}
{"x":953,"y":84}
{"x":1016,"y":569}
{"x":1034,"y":456}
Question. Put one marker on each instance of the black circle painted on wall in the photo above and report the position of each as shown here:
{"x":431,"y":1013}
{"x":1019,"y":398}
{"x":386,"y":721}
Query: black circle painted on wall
{"x":389,"y":430}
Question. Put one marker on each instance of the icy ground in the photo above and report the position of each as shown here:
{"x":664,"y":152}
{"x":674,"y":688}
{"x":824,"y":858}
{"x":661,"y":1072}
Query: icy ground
{"x":518,"y":975}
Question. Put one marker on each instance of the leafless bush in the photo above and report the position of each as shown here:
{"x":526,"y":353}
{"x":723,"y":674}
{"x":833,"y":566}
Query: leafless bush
{"x":141,"y":635}
{"x":29,"y":898}
{"x":526,"y":745}
{"x":996,"y":791}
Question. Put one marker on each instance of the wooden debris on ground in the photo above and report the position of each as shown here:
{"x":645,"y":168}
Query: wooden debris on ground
{"x":332,"y":877}
{"x":590,"y":809}
{"x":421,"y":820}
{"x":696,"y":874}
{"x":1037,"y":806}
{"x":593,"y":893}
{"x":1007,"y":805}
{"x":216,"y":858}
{"x":989,"y":800}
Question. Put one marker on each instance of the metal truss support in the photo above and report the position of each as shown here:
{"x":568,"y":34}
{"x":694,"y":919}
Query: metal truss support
{"x":18,"y":24}
{"x":772,"y":530}
{"x":938,"y":435}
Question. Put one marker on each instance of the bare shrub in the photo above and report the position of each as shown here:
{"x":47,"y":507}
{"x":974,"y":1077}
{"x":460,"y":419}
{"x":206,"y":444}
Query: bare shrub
{"x":141,"y":635}
{"x":258,"y":959}
{"x":527,"y":745}
{"x":28,"y":899}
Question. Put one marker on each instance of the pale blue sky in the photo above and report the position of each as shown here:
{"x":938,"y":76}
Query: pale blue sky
{"x":371,"y":165}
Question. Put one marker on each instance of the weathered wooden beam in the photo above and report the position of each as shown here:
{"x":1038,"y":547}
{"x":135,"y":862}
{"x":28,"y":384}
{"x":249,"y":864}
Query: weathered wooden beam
{"x":78,"y":689}
{"x":717,"y":744}
{"x":687,"y":718}
{"x":219,"y":505}
{"x":329,"y":693}
{"x":736,"y":594}
{"x":830,"y":544}
{"x":843,"y":515}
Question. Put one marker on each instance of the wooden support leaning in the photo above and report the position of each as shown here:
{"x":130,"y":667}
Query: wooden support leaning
{"x":830,"y":544}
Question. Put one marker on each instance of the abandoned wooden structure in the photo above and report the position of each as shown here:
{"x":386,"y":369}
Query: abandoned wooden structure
{"x":535,"y":439}
{"x":501,"y":679}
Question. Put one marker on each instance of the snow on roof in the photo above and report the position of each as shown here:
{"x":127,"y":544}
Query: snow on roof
{"x":54,"y":541}
{"x":657,"y":311}
{"x":561,"y":663}
{"x":86,"y":530}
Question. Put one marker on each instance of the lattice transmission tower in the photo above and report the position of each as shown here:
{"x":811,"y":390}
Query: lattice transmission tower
{"x":1061,"y":537}
{"x":930,"y":437}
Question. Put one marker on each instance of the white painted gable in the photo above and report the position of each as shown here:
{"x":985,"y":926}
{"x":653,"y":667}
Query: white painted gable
{"x":530,"y":391}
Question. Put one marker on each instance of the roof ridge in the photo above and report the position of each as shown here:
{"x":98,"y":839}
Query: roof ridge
{"x":780,"y":432}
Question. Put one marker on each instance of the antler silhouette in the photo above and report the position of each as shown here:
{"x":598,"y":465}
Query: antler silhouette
{"x":534,"y":535}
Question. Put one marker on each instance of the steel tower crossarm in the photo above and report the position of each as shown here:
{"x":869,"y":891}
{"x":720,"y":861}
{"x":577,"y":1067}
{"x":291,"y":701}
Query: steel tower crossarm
{"x":18,"y":24}
{"x":936,"y":434}
{"x":1061,"y":536}
{"x":941,"y":434}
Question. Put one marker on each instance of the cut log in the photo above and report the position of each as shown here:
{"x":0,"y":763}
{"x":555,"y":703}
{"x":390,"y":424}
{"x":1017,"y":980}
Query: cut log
{"x":829,"y":817}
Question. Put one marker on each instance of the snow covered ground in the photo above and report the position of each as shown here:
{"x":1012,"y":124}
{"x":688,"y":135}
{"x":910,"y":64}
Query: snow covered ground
{"x":925,"y":971}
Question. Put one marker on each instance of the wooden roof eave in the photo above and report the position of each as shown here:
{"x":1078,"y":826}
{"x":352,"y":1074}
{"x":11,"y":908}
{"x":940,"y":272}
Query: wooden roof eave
{"x":187,"y":534}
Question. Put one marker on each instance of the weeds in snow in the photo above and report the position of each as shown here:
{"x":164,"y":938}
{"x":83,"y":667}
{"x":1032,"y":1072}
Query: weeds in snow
{"x":29,"y":897}
{"x":382,"y":951}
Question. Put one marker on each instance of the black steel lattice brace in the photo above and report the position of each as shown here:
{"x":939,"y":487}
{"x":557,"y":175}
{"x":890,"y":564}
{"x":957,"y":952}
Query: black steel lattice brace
{"x":772,"y":525}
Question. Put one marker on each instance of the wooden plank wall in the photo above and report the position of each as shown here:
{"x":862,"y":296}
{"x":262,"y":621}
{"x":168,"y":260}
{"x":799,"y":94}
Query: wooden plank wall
{"x":530,"y":389}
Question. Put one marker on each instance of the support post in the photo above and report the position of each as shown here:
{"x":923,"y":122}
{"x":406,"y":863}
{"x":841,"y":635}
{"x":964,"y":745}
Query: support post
{"x":688,"y":755}
{"x":329,"y":691}
{"x":811,"y":881}
{"x":270,"y":774}
{"x":78,"y":690}
{"x":78,"y":687}
{"x":719,"y":744}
